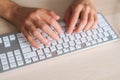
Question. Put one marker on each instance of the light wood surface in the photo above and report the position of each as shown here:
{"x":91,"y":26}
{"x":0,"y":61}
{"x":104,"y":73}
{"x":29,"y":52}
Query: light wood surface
{"x":99,"y":63}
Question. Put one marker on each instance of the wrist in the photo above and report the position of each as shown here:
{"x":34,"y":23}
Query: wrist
{"x":7,"y":9}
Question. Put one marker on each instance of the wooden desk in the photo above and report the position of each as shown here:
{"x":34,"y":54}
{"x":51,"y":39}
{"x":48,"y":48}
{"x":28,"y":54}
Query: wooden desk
{"x":99,"y":63}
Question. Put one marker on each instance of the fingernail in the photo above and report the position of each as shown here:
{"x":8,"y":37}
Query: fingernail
{"x":48,"y":43}
{"x":68,"y":32}
{"x":57,"y":38}
{"x":37,"y":46}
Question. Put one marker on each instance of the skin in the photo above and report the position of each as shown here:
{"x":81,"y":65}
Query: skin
{"x":84,"y":11}
{"x":27,"y":20}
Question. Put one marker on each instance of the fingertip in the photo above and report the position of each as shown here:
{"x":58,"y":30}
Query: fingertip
{"x":37,"y":46}
{"x":57,"y":17}
{"x":47,"y":42}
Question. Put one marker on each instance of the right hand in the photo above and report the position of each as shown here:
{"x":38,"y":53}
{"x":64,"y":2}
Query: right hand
{"x":28,"y":20}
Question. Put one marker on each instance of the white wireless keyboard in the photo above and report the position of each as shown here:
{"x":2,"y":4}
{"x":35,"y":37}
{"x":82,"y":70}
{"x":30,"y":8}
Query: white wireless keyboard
{"x":15,"y":51}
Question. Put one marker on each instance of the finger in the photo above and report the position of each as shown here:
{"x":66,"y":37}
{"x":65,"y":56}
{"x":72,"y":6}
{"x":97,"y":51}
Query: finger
{"x":74,"y":18}
{"x":47,"y":30}
{"x":32,"y":28}
{"x":83,"y":21}
{"x":95,"y":21}
{"x":29,"y":38}
{"x":90,"y":22}
{"x":54,"y":15}
{"x":67,"y":16}
{"x":52,"y":22}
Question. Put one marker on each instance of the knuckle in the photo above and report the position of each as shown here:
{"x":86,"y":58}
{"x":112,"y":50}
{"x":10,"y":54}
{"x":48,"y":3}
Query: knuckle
{"x":34,"y":32}
{"x":52,"y":21}
{"x":76,"y":7}
{"x":87,"y":8}
{"x":79,"y":5}
{"x":96,"y":21}
{"x":26,"y":21}
{"x":84,"y":22}
{"x":40,"y":11}
{"x":31,"y":16}
{"x":50,"y":11}
{"x":43,"y":26}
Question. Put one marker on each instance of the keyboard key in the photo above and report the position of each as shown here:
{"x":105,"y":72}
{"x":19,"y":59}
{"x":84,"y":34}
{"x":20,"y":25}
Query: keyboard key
{"x":106,"y":28}
{"x":106,"y":34}
{"x":66,"y":39}
{"x":62,"y":35}
{"x":89,"y":33}
{"x":22,"y":39}
{"x":100,"y":30}
{"x":26,"y":50}
{"x":65,"y":45}
{"x":72,"y":48}
{"x":46,"y":50}
{"x":41,"y":54}
{"x":35,"y":58}
{"x":41,"y":46}
{"x":83,"y":34}
{"x":89,"y":38}
{"x":77,"y":41}
{"x":4,"y":61}
{"x":18,"y":57}
{"x":65,"y":50}
{"x":12,"y":37}
{"x":20,"y":35}
{"x":94,"y":31}
{"x":48,"y":55}
{"x":54,"y":43}
{"x":114,"y":36}
{"x":105,"y":39}
{"x":111,"y":32}
{"x":3,"y":56}
{"x":87,"y":43}
{"x":6,"y":39}
{"x":11,"y":59}
{"x":72,"y":37}
{"x":60,"y":41}
{"x":95,"y":37}
{"x":0,"y":40}
{"x":99,"y":40}
{"x":20,"y":63}
{"x":59,"y":46}
{"x":13,"y":65}
{"x":59,"y":52}
{"x":5,"y":67}
{"x":24,"y":44}
{"x":77,"y":36}
{"x":83,"y":40}
{"x":94,"y":42}
{"x":7,"y":44}
{"x":71,"y":43}
{"x":53,"y":48}
{"x":17,"y":52}
{"x":10,"y":54}
{"x":100,"y":35}
{"x":34,"y":49}
{"x":28,"y":61}
{"x":78,"y":46}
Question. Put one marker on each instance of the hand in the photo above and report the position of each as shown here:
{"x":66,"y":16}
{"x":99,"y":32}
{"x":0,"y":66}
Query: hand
{"x":83,"y":10}
{"x":29,"y":19}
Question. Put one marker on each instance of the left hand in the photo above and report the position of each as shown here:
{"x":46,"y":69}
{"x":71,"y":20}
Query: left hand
{"x":83,"y":10}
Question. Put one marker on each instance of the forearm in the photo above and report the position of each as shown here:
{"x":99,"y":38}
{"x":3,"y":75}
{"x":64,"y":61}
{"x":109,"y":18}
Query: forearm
{"x":7,"y":7}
